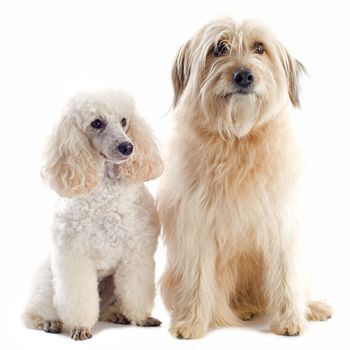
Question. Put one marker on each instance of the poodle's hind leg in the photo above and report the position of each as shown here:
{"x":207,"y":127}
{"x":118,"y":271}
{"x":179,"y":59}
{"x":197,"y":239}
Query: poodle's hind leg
{"x":113,"y":314}
{"x":37,"y":322}
{"x":109,"y":307}
{"x":76,"y":295}
{"x":40,"y":312}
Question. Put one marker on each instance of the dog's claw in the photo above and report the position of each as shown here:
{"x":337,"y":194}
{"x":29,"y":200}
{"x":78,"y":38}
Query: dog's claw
{"x":81,"y":333}
{"x":52,"y":326}
{"x":119,"y":319}
{"x":149,"y":322}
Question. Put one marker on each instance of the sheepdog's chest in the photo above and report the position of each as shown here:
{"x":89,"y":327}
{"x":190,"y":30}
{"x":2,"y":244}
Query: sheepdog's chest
{"x":234,"y":210}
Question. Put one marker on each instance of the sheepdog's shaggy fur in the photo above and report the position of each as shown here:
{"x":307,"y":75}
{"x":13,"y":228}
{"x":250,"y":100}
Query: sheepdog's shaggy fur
{"x":106,"y":222}
{"x":230,"y":227}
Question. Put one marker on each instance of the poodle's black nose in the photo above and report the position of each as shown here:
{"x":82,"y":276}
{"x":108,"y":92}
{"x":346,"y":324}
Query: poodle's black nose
{"x":125,"y":148}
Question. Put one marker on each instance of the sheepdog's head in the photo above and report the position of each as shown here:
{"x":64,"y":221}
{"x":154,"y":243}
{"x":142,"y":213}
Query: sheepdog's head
{"x":98,"y":128}
{"x":231,"y":77}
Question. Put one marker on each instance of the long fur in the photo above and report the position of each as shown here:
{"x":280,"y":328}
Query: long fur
{"x":231,"y":227}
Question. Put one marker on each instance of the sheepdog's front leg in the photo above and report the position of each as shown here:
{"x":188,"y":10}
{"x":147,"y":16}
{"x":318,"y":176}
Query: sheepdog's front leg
{"x":135,"y":291}
{"x":285,"y":294}
{"x":75,"y":293}
{"x":193,"y":299}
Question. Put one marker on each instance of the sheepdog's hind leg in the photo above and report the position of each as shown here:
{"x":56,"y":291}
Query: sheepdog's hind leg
{"x":319,"y":311}
{"x":246,"y":270}
{"x":285,"y":295}
{"x":40,"y":312}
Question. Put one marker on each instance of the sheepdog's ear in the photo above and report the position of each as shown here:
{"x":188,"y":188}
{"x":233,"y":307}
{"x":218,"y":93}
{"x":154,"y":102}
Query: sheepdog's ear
{"x":293,"y":69}
{"x":70,"y":167}
{"x":145,"y":164}
{"x":181,"y":71}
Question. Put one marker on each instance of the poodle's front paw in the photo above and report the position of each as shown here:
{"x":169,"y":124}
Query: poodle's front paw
{"x":187,"y":330}
{"x":291,"y":327}
{"x":149,"y":322}
{"x":52,"y":326}
{"x":80,"y":333}
{"x":319,"y":311}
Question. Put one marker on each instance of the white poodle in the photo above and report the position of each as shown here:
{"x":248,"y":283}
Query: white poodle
{"x":106,"y":226}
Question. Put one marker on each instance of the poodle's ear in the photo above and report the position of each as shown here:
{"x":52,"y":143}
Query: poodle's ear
{"x":293,"y":69}
{"x":70,"y":166}
{"x":181,"y":71}
{"x":145,"y":163}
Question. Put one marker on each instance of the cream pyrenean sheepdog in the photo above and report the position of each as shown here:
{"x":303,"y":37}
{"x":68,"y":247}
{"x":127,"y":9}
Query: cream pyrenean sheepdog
{"x":227,"y":201}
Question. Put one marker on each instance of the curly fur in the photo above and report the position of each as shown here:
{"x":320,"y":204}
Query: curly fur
{"x":231,"y":226}
{"x":144,"y":165}
{"x":105,"y":223}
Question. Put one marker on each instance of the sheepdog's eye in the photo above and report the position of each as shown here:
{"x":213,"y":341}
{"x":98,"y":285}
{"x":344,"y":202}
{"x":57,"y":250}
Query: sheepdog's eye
{"x":220,"y":48}
{"x":259,"y":48}
{"x":97,"y":124}
{"x":123,"y":122}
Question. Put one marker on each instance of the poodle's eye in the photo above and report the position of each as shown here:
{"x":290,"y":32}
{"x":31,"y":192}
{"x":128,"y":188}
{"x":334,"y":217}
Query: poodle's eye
{"x":220,"y":49}
{"x":97,"y":124}
{"x":259,"y":48}
{"x":123,"y":122}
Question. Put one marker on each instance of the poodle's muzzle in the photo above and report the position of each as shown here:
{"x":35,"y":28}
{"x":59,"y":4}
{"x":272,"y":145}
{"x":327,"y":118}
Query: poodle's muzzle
{"x":113,"y":143}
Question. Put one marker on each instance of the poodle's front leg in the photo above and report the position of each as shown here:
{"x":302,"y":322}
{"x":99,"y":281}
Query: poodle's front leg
{"x":135,"y":290}
{"x":75,"y":292}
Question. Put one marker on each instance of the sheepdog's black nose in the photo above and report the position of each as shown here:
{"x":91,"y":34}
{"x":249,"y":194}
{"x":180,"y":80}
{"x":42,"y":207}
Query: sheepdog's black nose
{"x":125,"y":148}
{"x":243,"y":77}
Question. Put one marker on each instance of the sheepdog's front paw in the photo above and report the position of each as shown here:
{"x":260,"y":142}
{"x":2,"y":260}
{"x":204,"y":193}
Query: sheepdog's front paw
{"x":187,"y":330}
{"x":80,"y":333}
{"x":319,"y":311}
{"x":52,"y":326}
{"x":149,"y":322}
{"x":287,"y":327}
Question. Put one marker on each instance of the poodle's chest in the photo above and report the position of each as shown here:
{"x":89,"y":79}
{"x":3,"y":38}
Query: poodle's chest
{"x":102,"y":223}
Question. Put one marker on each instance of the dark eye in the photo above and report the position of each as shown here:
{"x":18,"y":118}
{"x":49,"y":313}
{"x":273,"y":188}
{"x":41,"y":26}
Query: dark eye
{"x":123,"y":122}
{"x":97,"y":124}
{"x":259,"y":48}
{"x":220,"y":49}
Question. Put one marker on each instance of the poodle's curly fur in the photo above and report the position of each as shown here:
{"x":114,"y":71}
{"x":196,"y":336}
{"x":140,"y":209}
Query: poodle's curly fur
{"x":105,"y":223}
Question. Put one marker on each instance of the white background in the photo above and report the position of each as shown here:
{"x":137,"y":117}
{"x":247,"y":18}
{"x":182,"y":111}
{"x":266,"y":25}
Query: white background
{"x":51,"y":49}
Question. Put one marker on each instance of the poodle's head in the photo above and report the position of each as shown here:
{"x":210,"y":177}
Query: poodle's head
{"x":96,"y":128}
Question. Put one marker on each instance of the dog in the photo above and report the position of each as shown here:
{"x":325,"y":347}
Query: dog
{"x":106,"y":226}
{"x":231,"y":226}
